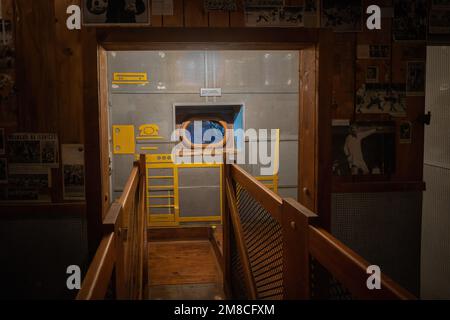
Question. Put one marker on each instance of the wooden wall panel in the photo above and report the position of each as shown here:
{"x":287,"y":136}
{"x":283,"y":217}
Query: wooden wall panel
{"x":69,"y":77}
{"x":36,"y":66}
{"x":177,"y":20}
{"x":194,"y":14}
{"x":219,"y":19}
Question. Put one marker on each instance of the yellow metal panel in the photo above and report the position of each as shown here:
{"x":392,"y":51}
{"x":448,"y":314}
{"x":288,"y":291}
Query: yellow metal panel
{"x":123,"y":139}
{"x":130,"y":78}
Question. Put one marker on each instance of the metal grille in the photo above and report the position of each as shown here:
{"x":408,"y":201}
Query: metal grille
{"x":264,"y":243}
{"x":324,"y":285}
{"x":237,"y":272}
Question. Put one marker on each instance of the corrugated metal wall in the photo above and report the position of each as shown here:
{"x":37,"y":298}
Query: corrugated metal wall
{"x":435,"y":261}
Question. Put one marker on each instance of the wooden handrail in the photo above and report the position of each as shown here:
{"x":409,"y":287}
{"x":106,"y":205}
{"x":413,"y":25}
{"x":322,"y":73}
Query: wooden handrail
{"x":349,"y":268}
{"x":242,"y":250}
{"x":268,"y":199}
{"x":123,"y":247}
{"x":97,"y":279}
{"x":301,"y":241}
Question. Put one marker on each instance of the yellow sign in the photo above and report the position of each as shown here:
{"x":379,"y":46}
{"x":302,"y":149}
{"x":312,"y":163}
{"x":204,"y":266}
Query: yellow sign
{"x":130,"y":78}
{"x":149,"y":132}
{"x":123,"y":139}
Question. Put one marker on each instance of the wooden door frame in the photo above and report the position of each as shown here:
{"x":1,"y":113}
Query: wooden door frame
{"x":316,"y":73}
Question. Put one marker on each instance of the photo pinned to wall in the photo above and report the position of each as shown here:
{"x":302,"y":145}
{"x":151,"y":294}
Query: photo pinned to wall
{"x":73,"y":171}
{"x":363,"y":148}
{"x":342,"y":16}
{"x":2,"y":141}
{"x":118,"y":12}
{"x":3,"y":171}
{"x":439,"y":18}
{"x":372,"y":74}
{"x":410,"y":20}
{"x":376,"y":51}
{"x":220,"y":5}
{"x":274,"y":16}
{"x":33,"y":149}
{"x":27,"y":184}
{"x":405,"y":132}
{"x":415,"y":80}
{"x":381,"y":98}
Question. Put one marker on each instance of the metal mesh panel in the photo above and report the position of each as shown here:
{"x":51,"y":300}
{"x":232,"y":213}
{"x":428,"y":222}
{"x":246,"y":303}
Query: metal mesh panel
{"x":237,"y":272}
{"x":324,"y":286}
{"x":264,"y":243}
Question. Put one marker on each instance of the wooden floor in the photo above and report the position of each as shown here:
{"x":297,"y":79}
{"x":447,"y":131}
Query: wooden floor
{"x":184,"y":270}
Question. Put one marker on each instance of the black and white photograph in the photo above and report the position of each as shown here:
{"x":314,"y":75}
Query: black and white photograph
{"x":415,"y":80}
{"x":410,"y":20}
{"x":373,"y":52}
{"x":3,"y":171}
{"x":439,"y":21}
{"x":73,"y":182}
{"x":116,"y":12}
{"x":73,"y":171}
{"x":33,"y":149}
{"x":292,"y":16}
{"x":220,"y":5}
{"x":2,"y":141}
{"x":274,"y":16}
{"x":405,"y":135}
{"x":381,"y":98}
{"x":342,"y":16}
{"x":364,"y":149}
{"x":372,"y":74}
{"x":28,"y":184}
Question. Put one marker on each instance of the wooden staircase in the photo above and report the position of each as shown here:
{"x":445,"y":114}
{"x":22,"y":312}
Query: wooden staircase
{"x":269,"y":249}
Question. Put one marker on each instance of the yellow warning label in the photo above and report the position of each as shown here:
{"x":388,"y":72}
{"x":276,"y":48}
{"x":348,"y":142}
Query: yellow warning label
{"x":130,"y":78}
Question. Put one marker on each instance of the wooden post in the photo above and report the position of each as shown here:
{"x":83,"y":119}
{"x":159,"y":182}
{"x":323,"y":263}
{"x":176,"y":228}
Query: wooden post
{"x":143,"y":176}
{"x":295,"y":224}
{"x":226,"y":225}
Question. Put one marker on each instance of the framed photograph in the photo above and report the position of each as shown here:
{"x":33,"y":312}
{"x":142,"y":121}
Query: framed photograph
{"x":373,"y":52}
{"x":405,"y":132}
{"x":364,"y":148}
{"x":410,"y":20}
{"x":372,"y":74}
{"x":415,"y":80}
{"x":3,"y":171}
{"x":274,"y":16}
{"x":116,"y":12}
{"x":2,"y":141}
{"x":342,"y":16}
{"x":28,"y":184}
{"x":381,"y":98}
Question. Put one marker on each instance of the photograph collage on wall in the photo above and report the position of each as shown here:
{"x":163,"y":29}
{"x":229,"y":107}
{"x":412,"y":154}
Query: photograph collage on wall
{"x":342,"y":16}
{"x":439,"y":18}
{"x":410,"y":20}
{"x":33,"y":149}
{"x":26,"y":168}
{"x":363,"y":148}
{"x":381,"y":98}
{"x":119,"y":12}
{"x":8,"y":108}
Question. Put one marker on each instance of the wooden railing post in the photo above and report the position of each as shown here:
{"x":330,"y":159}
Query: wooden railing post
{"x":296,"y":273}
{"x":143,"y":176}
{"x":226,"y":227}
